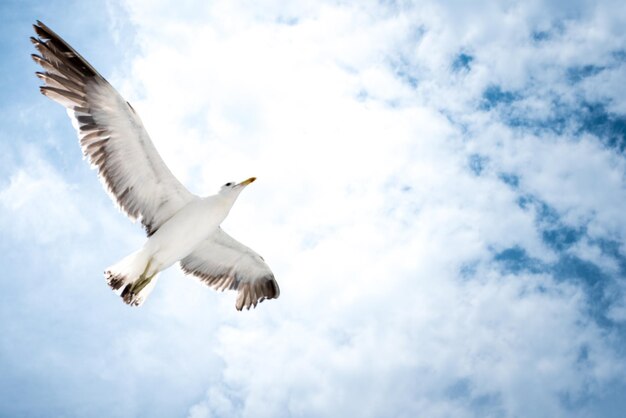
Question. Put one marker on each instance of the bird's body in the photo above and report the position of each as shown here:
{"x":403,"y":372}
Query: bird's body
{"x":181,"y":234}
{"x":181,"y":227}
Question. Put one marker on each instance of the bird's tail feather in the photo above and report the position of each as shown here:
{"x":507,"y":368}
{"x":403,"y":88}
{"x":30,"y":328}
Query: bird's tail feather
{"x":129,"y":278}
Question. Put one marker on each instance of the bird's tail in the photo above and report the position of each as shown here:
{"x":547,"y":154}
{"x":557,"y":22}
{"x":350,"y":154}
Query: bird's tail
{"x":130,"y":278}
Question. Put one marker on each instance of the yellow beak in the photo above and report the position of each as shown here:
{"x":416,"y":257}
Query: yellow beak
{"x":246,"y":182}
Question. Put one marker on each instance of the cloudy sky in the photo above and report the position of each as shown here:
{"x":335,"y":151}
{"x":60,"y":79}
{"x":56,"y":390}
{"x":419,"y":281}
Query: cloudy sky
{"x":441,"y":193}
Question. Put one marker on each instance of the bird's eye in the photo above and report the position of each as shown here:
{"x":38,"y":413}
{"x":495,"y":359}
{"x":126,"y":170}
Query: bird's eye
{"x":228,"y":184}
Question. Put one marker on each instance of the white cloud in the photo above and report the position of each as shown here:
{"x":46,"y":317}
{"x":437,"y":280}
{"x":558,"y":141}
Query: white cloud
{"x":368,"y":211}
{"x":36,"y":204}
{"x":372,"y":305}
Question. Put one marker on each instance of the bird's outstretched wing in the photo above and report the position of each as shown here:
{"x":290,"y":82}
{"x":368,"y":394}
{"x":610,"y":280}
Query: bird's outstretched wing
{"x":111,"y":134}
{"x":224,"y":263}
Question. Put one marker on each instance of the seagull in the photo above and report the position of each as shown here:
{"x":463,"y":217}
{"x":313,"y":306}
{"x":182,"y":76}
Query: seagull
{"x":180,"y":226}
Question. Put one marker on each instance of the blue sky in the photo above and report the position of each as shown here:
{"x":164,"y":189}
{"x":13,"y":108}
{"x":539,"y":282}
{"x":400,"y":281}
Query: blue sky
{"x":441,"y":195}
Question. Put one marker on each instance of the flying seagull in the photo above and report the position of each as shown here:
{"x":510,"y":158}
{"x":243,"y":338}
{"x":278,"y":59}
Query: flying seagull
{"x":180,"y":225}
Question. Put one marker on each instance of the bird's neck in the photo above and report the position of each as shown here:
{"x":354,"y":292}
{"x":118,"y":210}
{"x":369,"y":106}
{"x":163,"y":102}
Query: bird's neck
{"x":221,"y":203}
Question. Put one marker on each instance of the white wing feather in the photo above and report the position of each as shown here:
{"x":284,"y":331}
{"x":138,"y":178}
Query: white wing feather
{"x":111,"y":134}
{"x":224,"y":263}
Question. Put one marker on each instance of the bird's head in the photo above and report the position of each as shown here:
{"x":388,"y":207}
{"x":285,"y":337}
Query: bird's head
{"x":233,"y":189}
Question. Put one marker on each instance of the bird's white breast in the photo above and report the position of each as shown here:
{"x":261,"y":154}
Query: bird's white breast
{"x":184,"y":231}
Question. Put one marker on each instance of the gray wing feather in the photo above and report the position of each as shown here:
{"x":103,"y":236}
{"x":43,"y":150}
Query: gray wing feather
{"x":224,"y":263}
{"x":112,"y":136}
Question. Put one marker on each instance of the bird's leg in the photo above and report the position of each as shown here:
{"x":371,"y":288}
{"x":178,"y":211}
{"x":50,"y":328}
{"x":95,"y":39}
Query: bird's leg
{"x":142,"y":281}
{"x":139,"y":286}
{"x":143,"y":284}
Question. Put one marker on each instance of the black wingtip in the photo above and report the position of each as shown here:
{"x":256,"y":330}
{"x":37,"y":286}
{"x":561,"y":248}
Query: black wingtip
{"x":40,"y":29}
{"x":43,"y":31}
{"x":62,"y":51}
